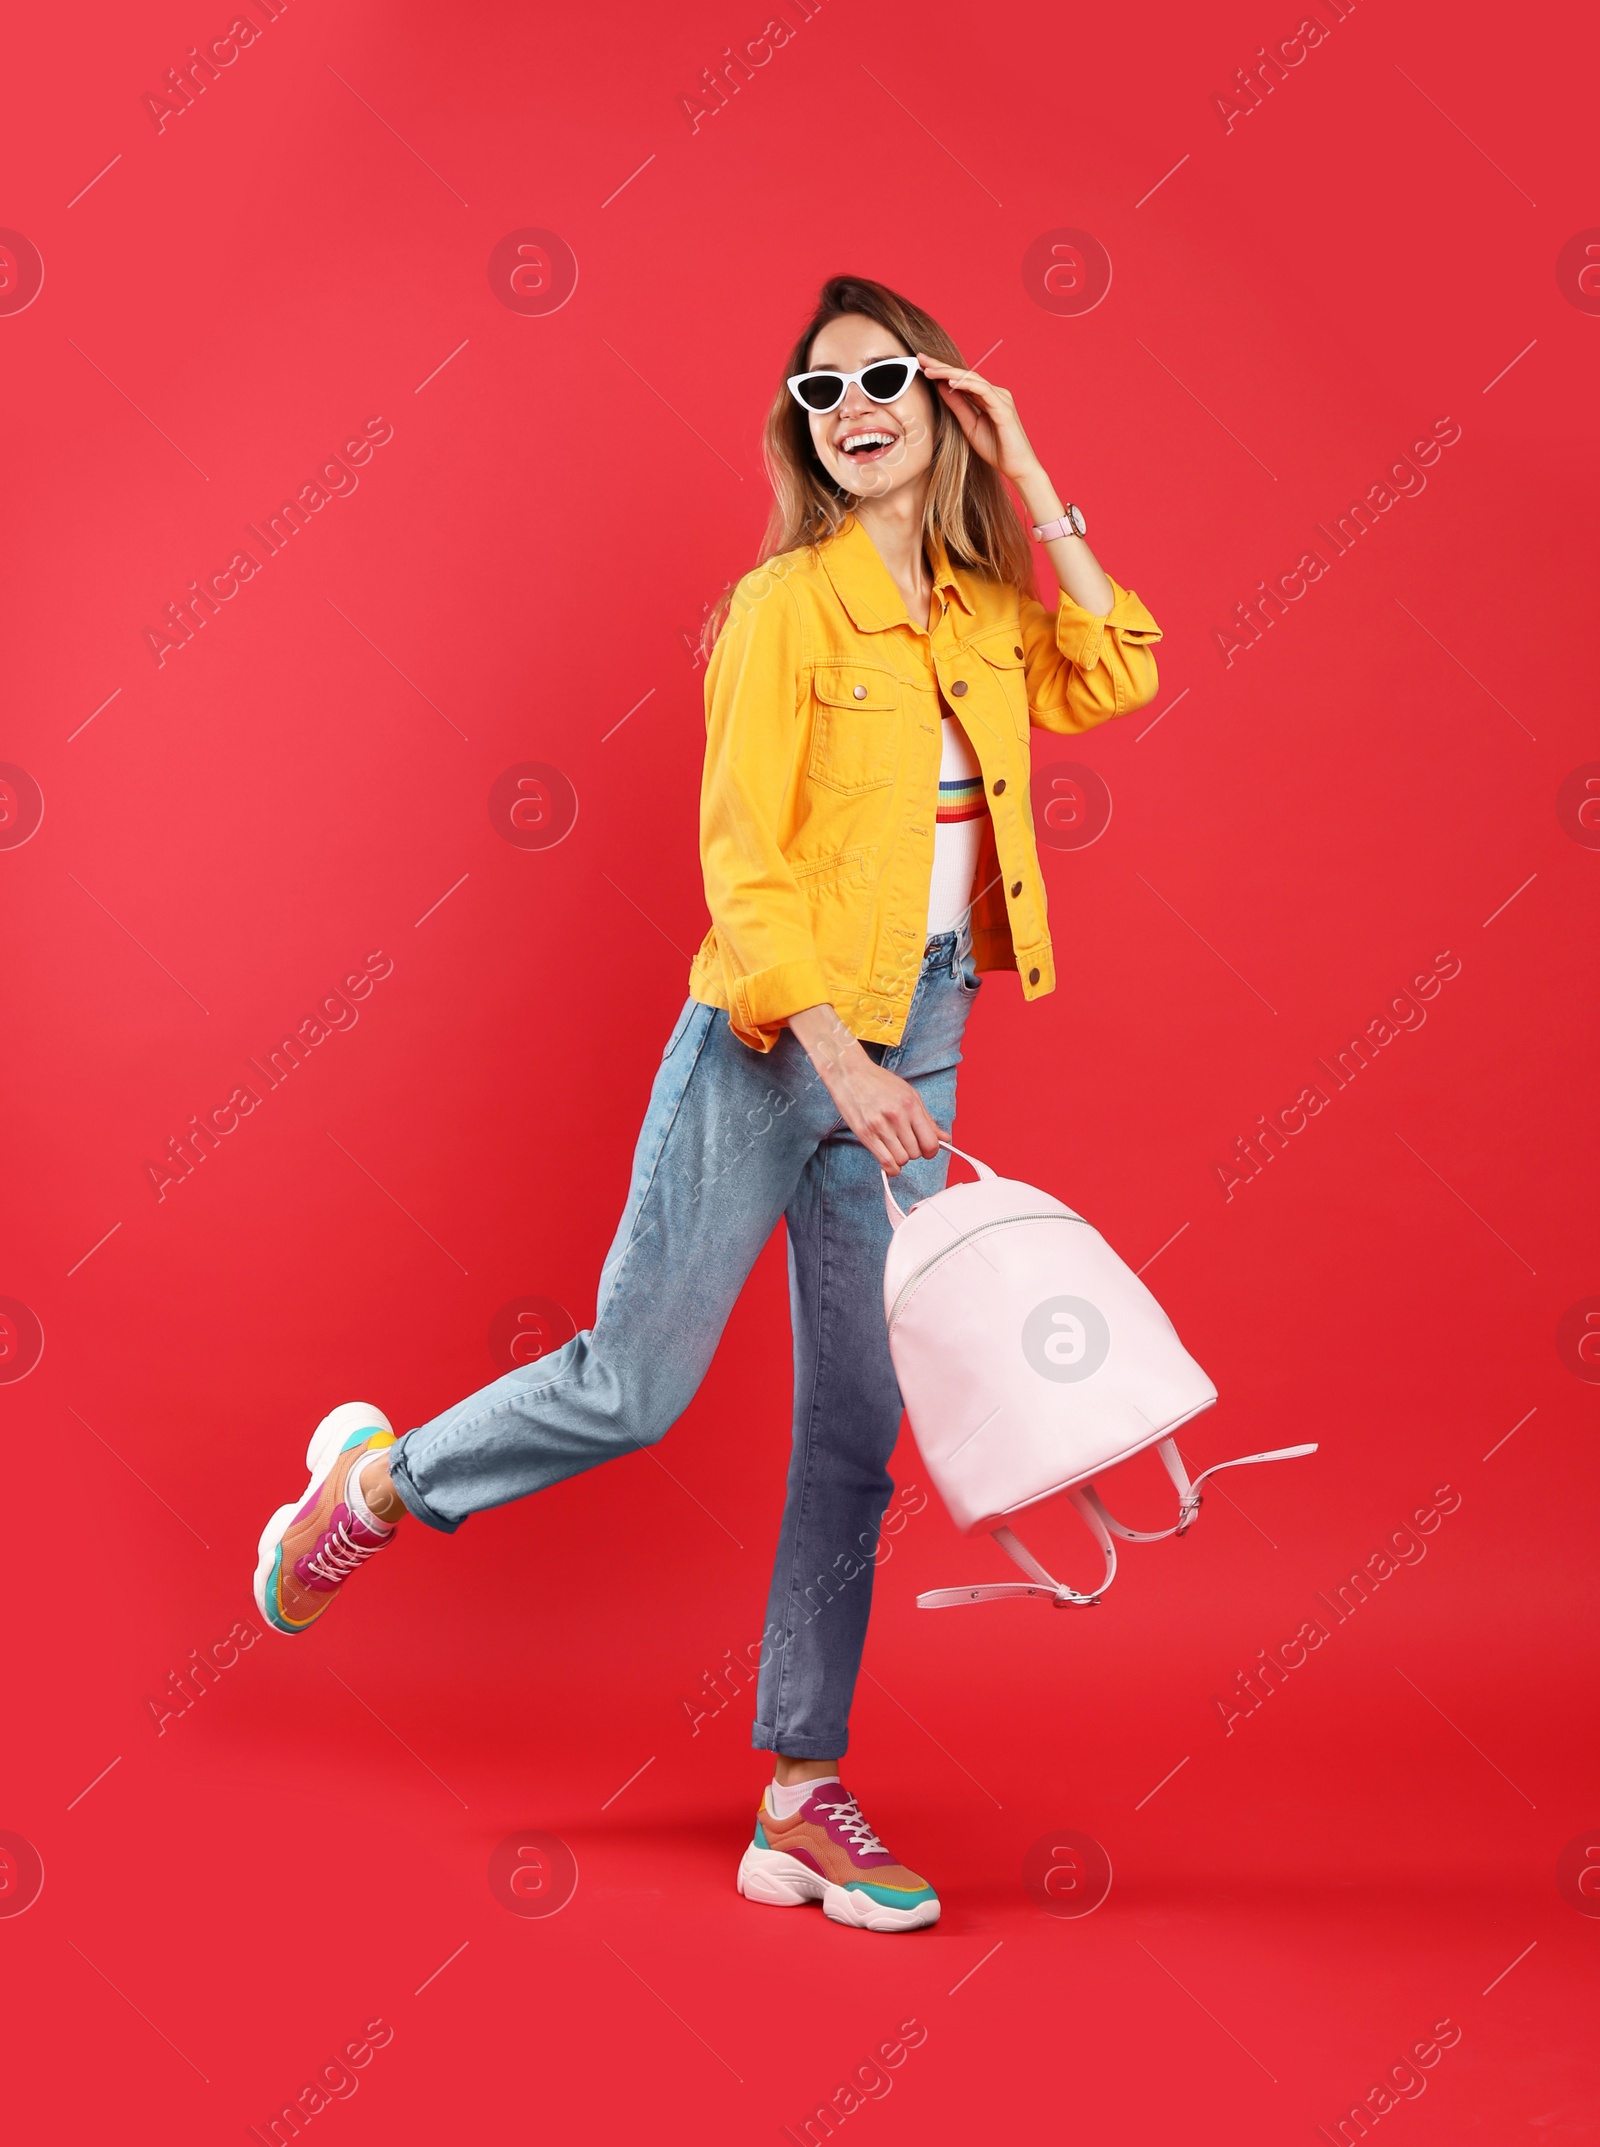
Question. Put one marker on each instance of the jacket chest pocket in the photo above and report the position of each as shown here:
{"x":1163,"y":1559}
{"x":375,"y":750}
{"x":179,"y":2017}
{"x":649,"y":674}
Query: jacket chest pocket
{"x":855,"y":728}
{"x":1001,"y":653}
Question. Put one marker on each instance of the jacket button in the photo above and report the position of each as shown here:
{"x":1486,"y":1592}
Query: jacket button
{"x":999,"y":786}
{"x":959,"y":688}
{"x":1018,"y":654}
{"x":1033,"y":976}
{"x":861,"y":693}
{"x":1016,"y":887}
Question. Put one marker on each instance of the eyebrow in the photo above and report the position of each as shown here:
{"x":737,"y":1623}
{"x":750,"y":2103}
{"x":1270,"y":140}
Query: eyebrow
{"x":888,"y":357}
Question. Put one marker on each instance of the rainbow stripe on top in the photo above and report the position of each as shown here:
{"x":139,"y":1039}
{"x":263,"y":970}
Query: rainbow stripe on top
{"x":961,"y":800}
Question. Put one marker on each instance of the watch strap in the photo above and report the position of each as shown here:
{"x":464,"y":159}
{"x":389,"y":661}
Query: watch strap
{"x":1071,"y":524}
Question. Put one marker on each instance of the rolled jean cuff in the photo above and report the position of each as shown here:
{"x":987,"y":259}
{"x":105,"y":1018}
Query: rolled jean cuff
{"x":763,"y":1739}
{"x":410,"y":1497}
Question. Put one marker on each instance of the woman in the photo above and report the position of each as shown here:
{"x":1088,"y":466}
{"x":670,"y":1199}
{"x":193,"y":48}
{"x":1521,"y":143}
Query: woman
{"x":868,"y":850}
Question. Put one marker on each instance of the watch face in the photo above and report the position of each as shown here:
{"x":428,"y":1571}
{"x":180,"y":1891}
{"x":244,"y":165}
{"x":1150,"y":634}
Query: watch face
{"x":1076,"y":519}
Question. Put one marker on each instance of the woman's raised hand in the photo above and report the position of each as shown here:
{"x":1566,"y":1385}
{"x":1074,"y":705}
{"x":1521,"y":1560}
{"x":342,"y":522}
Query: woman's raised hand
{"x":986,"y":414}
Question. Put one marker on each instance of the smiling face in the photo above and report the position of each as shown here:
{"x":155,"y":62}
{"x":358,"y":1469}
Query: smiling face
{"x":870,"y":449}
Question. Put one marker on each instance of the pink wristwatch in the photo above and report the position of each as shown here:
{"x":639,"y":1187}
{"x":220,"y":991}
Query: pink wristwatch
{"x":1071,"y":524}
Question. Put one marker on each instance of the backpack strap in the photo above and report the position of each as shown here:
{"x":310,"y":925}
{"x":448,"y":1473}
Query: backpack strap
{"x":1188,"y":1493}
{"x":1043,"y":1583}
{"x":1102,"y":1527}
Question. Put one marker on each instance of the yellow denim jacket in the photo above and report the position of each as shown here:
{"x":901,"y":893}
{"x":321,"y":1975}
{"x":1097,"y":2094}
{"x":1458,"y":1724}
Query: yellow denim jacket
{"x":821,"y":783}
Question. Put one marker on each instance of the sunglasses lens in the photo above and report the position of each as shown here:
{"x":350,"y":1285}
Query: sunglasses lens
{"x":887,"y":381}
{"x":820,"y":391}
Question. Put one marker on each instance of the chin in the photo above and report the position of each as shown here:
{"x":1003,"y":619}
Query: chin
{"x":859,"y":483}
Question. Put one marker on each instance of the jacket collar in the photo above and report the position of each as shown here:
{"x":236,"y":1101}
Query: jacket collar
{"x":864,"y":585}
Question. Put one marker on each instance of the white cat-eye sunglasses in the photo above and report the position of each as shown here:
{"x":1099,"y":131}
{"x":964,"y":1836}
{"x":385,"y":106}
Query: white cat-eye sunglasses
{"x":884,"y":381}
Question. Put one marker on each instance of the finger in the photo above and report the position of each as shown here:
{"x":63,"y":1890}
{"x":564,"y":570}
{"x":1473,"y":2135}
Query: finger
{"x":916,"y":1132}
{"x":974,"y":417}
{"x":874,"y":1139}
{"x":941,"y":365}
{"x":995,"y":409}
{"x":968,"y":384}
{"x":899,"y":1144}
{"x":953,"y":399}
{"x":962,"y":378}
{"x":928,"y":1134}
{"x":968,"y":416}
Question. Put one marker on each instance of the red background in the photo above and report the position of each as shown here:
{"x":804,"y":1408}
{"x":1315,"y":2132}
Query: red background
{"x":1299,"y":834}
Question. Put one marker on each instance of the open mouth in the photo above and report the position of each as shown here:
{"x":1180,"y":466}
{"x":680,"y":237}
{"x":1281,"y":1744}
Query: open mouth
{"x":868,"y":446}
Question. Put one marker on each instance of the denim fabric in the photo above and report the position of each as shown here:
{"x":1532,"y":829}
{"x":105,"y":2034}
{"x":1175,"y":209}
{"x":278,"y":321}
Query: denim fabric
{"x":733,"y":1140}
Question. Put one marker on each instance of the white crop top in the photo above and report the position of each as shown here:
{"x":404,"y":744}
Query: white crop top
{"x":958,"y":830}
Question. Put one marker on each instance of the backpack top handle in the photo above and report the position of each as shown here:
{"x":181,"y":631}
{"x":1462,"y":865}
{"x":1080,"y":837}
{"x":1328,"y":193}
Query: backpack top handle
{"x":897,"y":1214}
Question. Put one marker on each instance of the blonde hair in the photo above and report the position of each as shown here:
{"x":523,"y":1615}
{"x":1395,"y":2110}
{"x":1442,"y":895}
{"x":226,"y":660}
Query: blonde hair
{"x":968,"y":503}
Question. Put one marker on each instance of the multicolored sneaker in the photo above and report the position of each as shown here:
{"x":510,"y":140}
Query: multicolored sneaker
{"x":828,"y":1853}
{"x":310,"y":1548}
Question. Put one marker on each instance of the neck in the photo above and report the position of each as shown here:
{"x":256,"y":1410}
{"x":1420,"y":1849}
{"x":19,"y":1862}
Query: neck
{"x":894,"y":523}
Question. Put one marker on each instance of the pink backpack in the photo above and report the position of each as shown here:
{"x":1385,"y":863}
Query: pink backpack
{"x":1031,"y":1358}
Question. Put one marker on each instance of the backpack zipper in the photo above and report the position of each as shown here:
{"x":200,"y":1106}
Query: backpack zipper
{"x":919,"y":1275}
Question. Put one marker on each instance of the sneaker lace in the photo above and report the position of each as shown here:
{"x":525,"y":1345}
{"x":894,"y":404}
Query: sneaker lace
{"x":847,"y":1816}
{"x":338,"y":1554}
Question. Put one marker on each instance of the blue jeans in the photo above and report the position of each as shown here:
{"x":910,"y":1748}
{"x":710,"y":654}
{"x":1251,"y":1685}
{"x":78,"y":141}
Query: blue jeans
{"x":733,"y":1140}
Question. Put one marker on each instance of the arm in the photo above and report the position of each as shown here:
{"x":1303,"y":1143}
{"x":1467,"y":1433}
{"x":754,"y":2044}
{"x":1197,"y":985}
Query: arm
{"x":1083,"y":668}
{"x":1075,"y":566}
{"x":1093,"y":659}
{"x":769,"y":957}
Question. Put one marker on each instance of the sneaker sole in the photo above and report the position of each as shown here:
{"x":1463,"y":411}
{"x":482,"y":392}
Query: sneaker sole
{"x":336,"y":1431}
{"x":778,"y":1880}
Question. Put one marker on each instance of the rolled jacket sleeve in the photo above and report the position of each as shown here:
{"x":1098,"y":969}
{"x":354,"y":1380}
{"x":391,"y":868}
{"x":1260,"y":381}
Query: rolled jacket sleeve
{"x":762,"y":921}
{"x":1082,"y":668}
